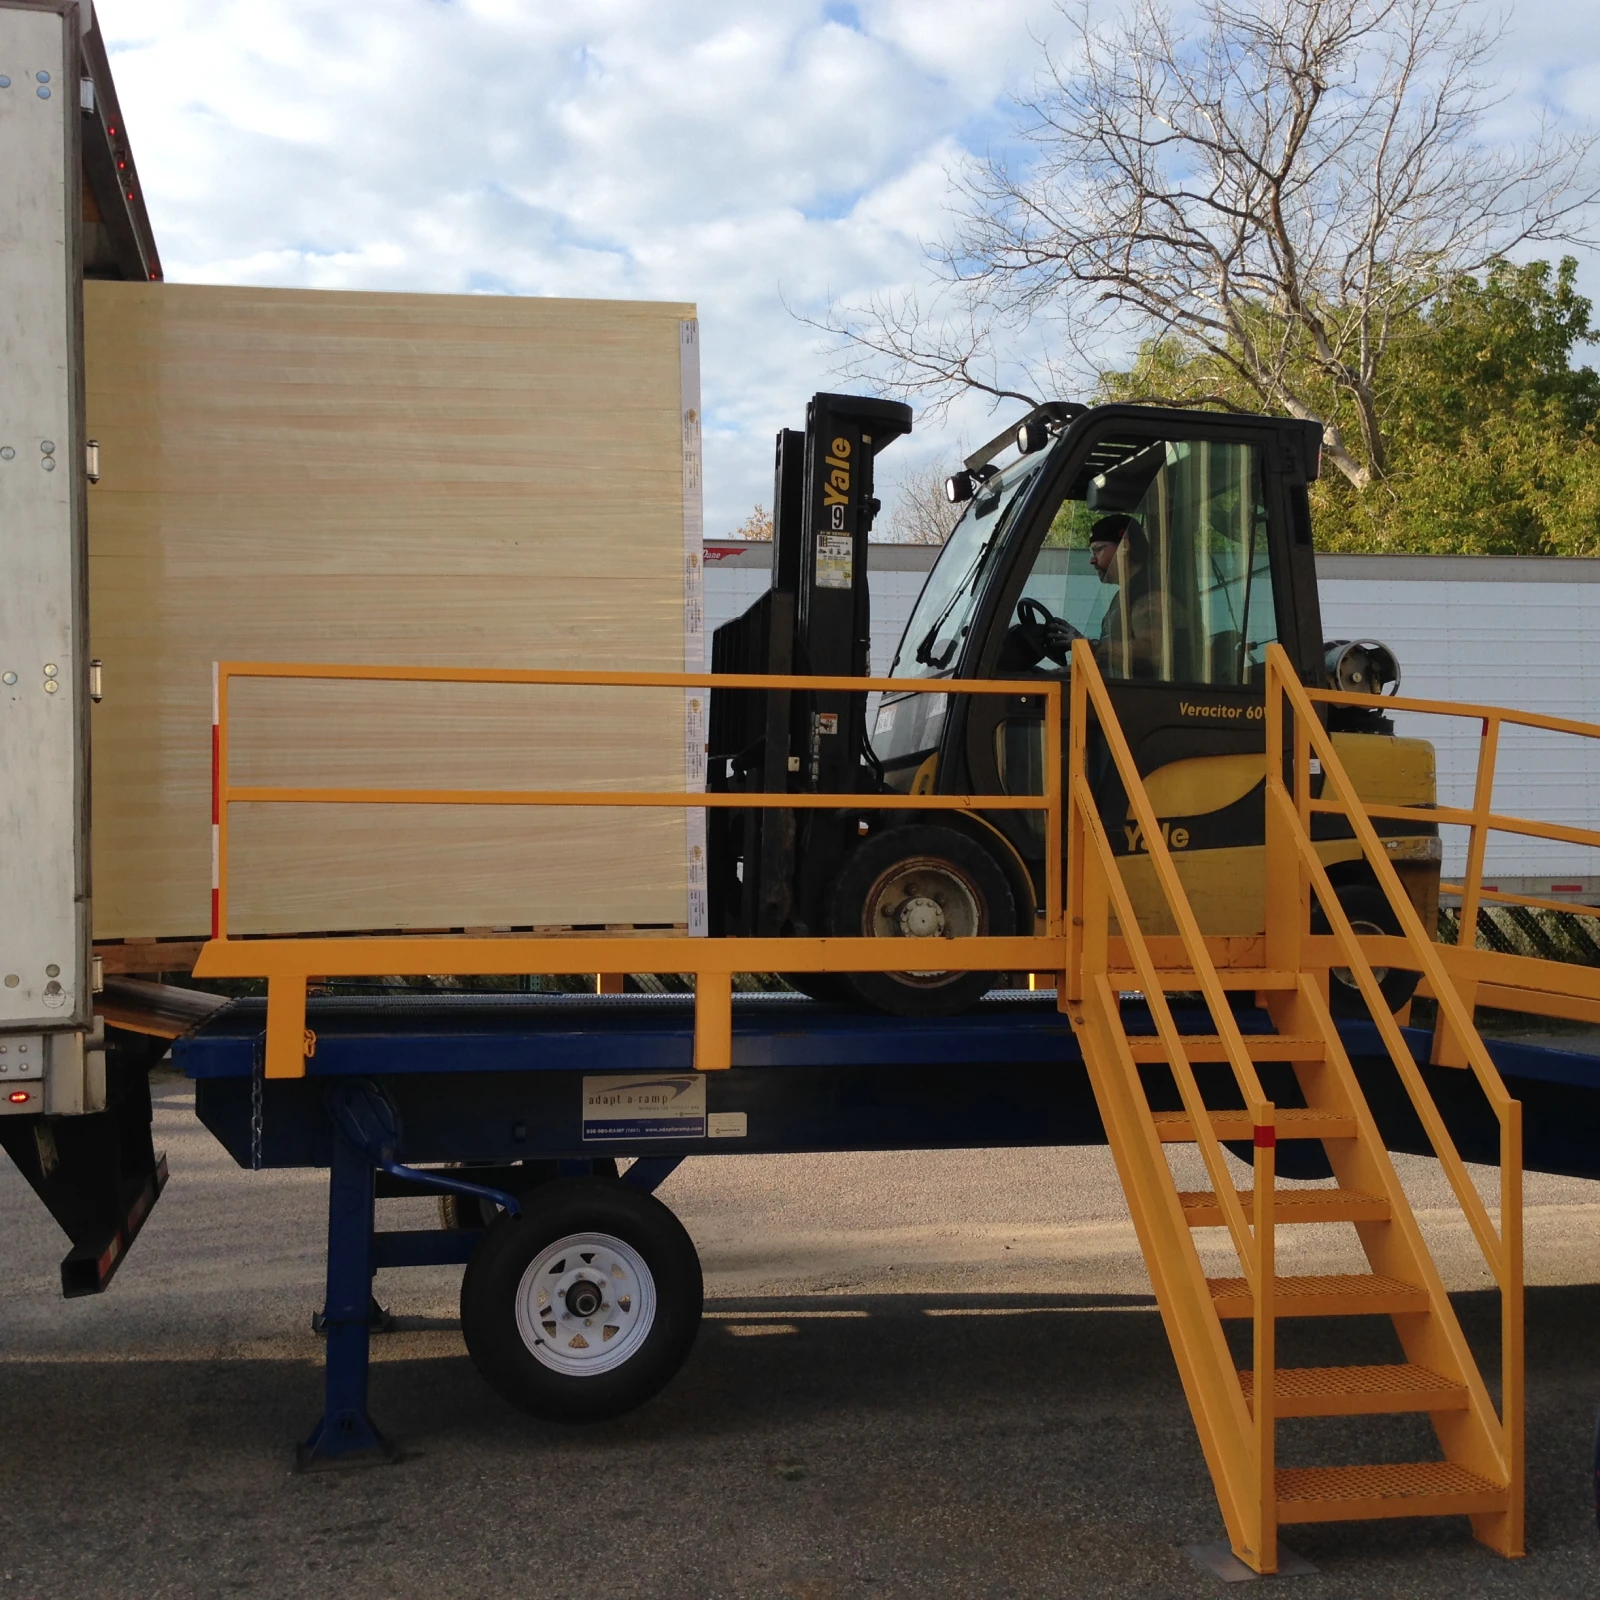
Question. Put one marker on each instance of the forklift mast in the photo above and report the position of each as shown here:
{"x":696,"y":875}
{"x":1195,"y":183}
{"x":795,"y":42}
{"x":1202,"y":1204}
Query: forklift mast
{"x":814,"y":621}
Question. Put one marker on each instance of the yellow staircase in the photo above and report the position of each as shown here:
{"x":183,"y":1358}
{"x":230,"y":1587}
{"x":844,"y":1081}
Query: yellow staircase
{"x":1478,"y":1468}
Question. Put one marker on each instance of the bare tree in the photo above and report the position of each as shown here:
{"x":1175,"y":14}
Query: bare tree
{"x":1278,"y":186}
{"x":919,"y":511}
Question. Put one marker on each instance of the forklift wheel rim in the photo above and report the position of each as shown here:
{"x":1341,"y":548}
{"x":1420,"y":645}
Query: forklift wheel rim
{"x":909,"y":870}
{"x":1359,"y":925}
{"x":564,"y":1340}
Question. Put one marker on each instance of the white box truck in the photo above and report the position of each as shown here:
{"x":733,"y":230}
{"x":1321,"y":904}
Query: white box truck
{"x":74,"y":1116}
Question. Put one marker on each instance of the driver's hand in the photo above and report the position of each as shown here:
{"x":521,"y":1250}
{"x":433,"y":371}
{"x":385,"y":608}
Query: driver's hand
{"x":1059,"y":634}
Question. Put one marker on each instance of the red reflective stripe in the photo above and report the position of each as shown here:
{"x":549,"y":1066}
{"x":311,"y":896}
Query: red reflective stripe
{"x":216,"y":774}
{"x":1266,"y":1138}
{"x":216,"y":927}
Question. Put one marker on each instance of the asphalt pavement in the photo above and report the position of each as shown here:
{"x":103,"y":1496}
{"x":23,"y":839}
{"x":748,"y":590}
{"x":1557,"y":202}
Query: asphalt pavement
{"x":921,"y":1374}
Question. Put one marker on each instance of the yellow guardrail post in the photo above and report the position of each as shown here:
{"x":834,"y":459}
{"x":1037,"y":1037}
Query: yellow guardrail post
{"x":286,"y":1025}
{"x":1449,"y":1051}
{"x":713,"y":1021}
{"x":1264,"y":1342}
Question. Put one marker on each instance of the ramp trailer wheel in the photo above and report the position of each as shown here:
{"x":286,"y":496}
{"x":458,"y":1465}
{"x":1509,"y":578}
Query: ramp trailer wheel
{"x":584,"y":1306}
{"x":924,"y":884}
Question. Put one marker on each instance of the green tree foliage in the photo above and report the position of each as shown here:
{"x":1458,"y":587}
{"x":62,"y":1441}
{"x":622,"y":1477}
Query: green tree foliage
{"x":1491,"y":427}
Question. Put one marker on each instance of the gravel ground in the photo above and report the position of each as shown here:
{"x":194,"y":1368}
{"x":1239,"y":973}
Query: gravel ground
{"x":934,"y":1374}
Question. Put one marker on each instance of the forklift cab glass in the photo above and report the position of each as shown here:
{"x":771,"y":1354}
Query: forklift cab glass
{"x":1159,"y":557}
{"x":938,"y":626}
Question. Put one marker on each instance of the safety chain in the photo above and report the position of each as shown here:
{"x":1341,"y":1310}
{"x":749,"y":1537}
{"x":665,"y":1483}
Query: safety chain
{"x":258,"y":1077}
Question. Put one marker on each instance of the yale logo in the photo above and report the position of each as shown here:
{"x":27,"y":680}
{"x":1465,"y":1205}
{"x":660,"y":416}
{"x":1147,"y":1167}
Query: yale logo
{"x":1176,"y":838}
{"x":836,"y":488}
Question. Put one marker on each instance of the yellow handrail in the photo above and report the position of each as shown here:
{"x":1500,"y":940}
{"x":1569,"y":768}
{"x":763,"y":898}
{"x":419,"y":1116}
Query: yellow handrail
{"x":1503,"y":1249}
{"x":1478,"y":818}
{"x":1245,"y":1460}
{"x":287,"y":962}
{"x":1088,"y":688}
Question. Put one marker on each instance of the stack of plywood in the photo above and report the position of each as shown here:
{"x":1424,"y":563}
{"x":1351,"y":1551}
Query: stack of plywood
{"x":390,"y":480}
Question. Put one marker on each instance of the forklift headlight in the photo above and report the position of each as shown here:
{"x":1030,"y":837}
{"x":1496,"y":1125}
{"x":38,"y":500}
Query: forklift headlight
{"x":958,"y":487}
{"x":1032,"y":435}
{"x":1361,"y":666}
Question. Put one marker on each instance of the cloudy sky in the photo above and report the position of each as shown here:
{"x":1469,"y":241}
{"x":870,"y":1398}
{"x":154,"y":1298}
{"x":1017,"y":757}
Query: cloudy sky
{"x":756,"y":158}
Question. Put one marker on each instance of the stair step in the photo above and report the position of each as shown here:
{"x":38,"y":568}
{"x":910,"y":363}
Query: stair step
{"x":1202,"y":1210}
{"x":1174,"y":1127}
{"x":1342,"y":1294}
{"x":1208,"y":1047}
{"x":1182,"y":980}
{"x":1392,"y":1489}
{"x":1358,"y":1391}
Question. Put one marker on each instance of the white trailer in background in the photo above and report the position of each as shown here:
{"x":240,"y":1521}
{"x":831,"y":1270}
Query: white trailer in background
{"x":1496,"y":630}
{"x":77,"y":1128}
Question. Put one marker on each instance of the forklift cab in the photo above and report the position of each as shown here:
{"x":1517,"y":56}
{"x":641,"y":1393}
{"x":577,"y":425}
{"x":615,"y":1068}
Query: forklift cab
{"x":1179,"y":545}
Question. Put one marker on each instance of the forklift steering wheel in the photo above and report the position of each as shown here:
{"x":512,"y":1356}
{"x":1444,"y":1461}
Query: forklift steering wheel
{"x":1033,"y":618}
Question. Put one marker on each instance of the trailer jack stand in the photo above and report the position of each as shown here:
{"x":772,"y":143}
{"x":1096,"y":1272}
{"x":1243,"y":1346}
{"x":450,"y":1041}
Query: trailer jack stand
{"x":366,"y":1132}
{"x":346,"y":1433}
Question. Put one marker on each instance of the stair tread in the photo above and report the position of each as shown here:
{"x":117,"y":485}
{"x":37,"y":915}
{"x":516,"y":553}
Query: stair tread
{"x":1356,"y":1391}
{"x":1183,"y":980}
{"x":1384,"y":1489}
{"x":1174,"y":1127}
{"x":1348,"y":1294}
{"x":1209,"y":1047}
{"x":1202,"y":1208}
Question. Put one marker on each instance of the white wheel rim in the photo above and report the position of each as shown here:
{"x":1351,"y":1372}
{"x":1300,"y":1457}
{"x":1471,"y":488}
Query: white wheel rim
{"x":555,"y":1293}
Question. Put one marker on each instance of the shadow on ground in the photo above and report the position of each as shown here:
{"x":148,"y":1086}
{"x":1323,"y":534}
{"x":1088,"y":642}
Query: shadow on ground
{"x":814,"y":1447}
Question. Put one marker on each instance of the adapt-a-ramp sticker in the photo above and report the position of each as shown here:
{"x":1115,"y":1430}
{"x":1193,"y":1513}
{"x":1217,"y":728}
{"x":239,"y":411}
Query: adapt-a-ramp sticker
{"x":659,"y":1105}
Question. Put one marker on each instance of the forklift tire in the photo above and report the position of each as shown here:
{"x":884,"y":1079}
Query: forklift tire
{"x":827,"y":988}
{"x":584,"y":1306}
{"x":1369,"y":911}
{"x":921,"y":883}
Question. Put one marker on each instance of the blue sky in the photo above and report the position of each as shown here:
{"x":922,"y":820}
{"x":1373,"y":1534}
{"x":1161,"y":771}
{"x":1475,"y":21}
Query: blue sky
{"x":751,"y":158}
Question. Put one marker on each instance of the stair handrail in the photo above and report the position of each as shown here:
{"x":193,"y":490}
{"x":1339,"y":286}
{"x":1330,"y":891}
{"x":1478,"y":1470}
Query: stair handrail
{"x":1502,"y":1249}
{"x":1088,"y":687}
{"x":1282,"y":679}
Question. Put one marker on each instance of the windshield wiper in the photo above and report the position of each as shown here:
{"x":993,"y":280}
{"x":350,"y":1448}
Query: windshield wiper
{"x":924,"y":653}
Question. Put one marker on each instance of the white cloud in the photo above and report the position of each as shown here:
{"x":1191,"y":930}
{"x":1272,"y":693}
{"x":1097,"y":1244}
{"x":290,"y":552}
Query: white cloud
{"x":736,"y":155}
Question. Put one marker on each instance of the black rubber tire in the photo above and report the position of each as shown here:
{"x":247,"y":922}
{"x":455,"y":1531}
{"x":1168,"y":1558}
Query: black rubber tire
{"x":1366,"y":905}
{"x":862,"y":881}
{"x":469,"y":1212}
{"x":494,"y":1278}
{"x":826,"y":988}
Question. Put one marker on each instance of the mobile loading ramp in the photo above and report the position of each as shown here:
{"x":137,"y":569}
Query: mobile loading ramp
{"x":1091,"y":938}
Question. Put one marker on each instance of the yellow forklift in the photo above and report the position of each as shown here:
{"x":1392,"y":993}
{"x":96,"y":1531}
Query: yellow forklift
{"x":1179,"y":544}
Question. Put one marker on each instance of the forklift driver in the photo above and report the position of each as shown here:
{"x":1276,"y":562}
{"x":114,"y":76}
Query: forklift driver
{"x":1130,"y":628}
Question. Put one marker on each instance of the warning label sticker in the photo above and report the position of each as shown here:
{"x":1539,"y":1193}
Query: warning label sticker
{"x":645,"y":1106}
{"x":835,"y":560}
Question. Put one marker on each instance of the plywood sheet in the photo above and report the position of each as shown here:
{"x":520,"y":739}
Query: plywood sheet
{"x":384,"y":479}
